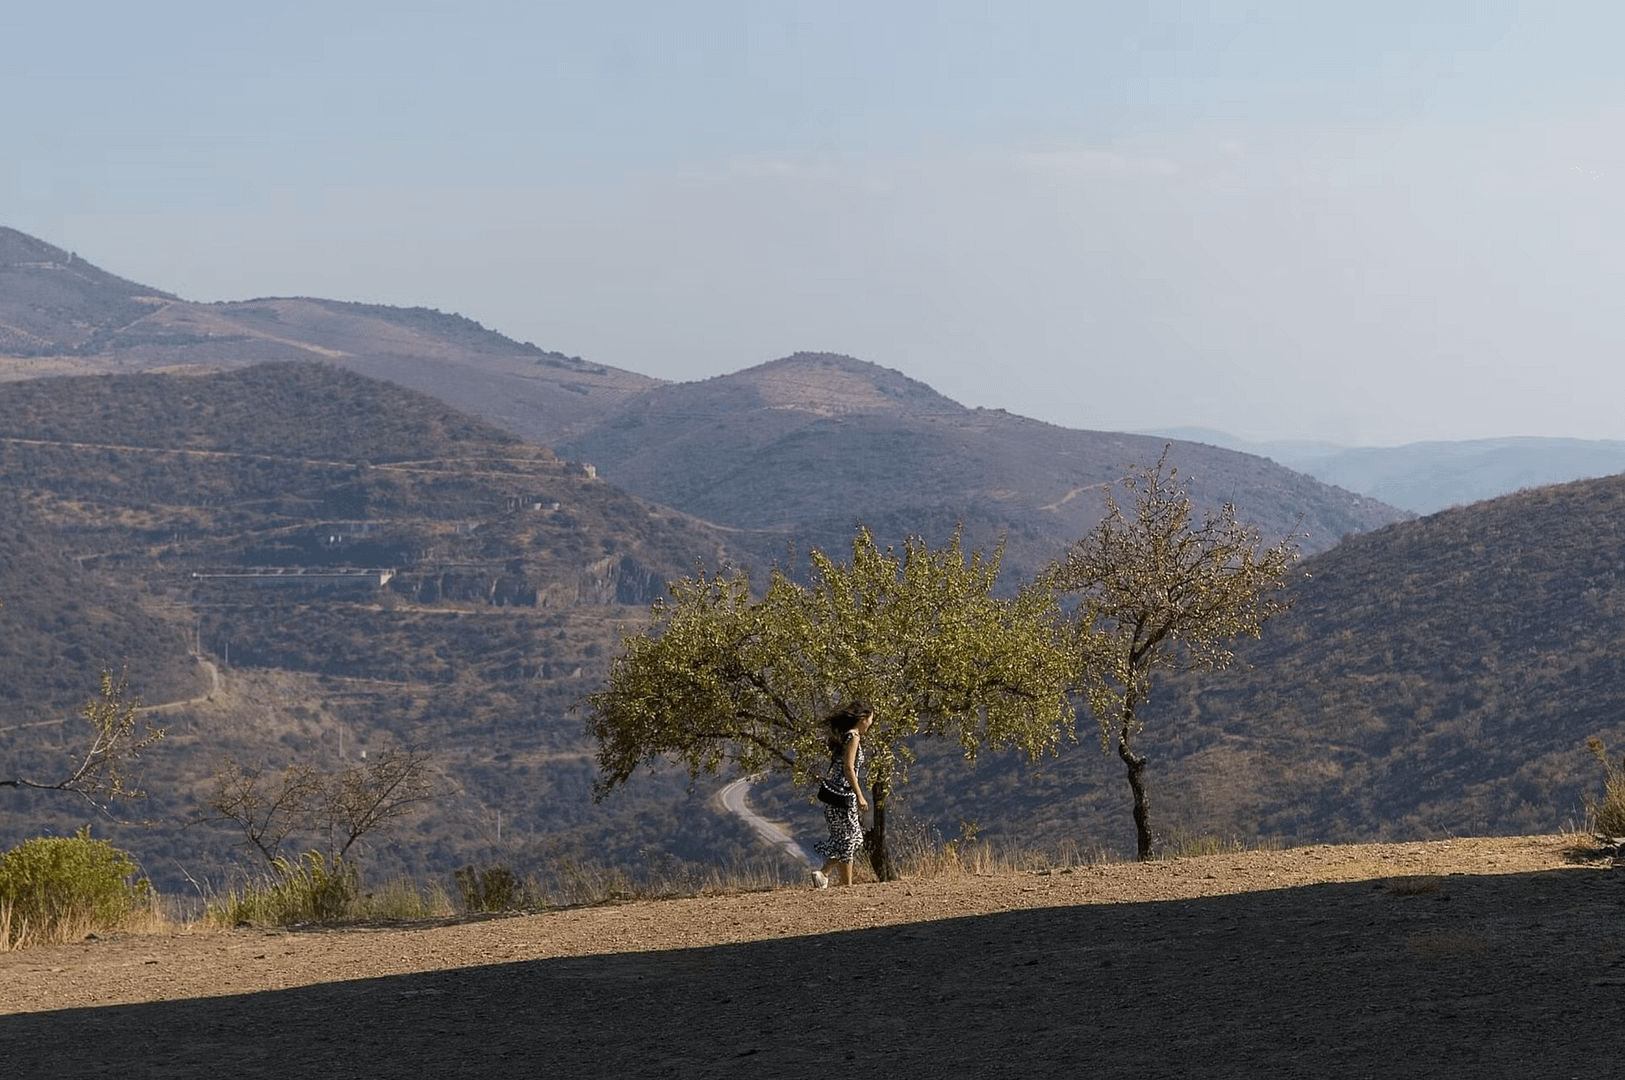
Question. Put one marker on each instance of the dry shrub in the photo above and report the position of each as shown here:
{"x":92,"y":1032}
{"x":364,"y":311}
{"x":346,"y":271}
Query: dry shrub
{"x":1608,"y":813}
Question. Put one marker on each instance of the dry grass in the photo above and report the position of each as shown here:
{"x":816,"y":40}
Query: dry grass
{"x":17,"y":932}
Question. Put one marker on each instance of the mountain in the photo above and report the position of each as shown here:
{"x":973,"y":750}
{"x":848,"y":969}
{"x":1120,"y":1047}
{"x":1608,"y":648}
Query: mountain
{"x":246,"y":442}
{"x":53,"y":302}
{"x":807,"y":445}
{"x":793,"y":452}
{"x":1426,"y":477}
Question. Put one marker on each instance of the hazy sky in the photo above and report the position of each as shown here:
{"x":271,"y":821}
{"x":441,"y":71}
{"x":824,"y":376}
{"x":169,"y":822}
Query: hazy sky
{"x":1368,"y":222}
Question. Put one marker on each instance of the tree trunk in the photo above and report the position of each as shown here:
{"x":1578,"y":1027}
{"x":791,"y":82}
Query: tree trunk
{"x":1135,"y":764}
{"x":874,"y":839}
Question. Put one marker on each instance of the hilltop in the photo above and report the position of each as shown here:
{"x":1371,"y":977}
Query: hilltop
{"x":809,"y":444}
{"x":59,"y":315}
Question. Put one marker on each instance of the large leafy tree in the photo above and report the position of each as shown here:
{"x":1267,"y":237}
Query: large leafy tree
{"x":1159,"y":592}
{"x":723,"y":676}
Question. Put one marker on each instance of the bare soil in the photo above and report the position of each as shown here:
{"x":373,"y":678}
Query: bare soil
{"x":1469,"y":957}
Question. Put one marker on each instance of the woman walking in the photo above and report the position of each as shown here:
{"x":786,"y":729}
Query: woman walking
{"x":841,"y":793}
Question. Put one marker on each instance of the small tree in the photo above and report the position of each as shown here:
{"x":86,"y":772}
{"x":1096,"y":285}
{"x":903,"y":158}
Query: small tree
{"x":1159,"y":592}
{"x":96,"y":768}
{"x":56,"y":889}
{"x":269,"y":807}
{"x":723,"y":677}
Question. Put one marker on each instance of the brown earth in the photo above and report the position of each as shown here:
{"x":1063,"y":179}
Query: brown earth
{"x":1469,"y":957}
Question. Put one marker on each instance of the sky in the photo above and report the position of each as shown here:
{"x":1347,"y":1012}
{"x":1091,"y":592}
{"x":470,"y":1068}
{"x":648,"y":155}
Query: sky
{"x":1369,"y":223}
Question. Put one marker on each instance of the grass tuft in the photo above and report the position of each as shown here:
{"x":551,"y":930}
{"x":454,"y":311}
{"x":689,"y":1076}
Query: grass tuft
{"x":1608,"y":813}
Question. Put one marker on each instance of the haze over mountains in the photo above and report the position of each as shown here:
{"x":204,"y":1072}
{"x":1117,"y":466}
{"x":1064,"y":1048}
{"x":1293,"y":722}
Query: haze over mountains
{"x":824,"y":441}
{"x":1428,"y":476}
{"x":1437,"y":675}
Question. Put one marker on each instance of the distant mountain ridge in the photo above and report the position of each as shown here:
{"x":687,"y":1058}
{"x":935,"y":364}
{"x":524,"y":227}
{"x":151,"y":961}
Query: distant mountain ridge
{"x":1426,"y":477}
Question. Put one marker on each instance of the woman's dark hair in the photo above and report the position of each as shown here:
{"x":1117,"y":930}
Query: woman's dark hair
{"x":844,"y":719}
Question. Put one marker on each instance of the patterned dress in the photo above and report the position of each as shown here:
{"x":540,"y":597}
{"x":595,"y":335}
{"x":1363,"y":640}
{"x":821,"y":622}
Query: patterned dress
{"x":845,"y":826}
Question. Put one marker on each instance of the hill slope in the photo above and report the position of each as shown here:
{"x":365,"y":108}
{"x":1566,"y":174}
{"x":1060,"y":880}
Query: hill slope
{"x":59,"y":315}
{"x":1436,"y":678}
{"x":188,"y":525}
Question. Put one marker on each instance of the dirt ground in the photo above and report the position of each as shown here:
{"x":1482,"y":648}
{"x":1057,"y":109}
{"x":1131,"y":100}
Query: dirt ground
{"x":1471,"y":957}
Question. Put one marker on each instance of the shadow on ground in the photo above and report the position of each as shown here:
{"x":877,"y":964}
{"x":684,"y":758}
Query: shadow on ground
{"x":1515,"y":976}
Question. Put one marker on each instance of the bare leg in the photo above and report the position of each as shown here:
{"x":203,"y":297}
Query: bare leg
{"x":846,"y":872}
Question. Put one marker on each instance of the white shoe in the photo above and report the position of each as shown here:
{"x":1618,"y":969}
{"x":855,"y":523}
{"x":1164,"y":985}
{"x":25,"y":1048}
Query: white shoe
{"x":820,"y":880}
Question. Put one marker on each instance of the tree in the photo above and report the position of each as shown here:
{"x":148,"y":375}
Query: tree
{"x":118,"y":734}
{"x":343,"y":807}
{"x":1159,"y":592}
{"x":722,"y":677}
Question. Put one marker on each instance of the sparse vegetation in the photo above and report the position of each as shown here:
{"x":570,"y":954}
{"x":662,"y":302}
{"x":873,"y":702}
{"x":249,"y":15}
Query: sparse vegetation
{"x":316,"y":888}
{"x":490,"y":889}
{"x":97,"y":767}
{"x":58,"y":889}
{"x":340,"y":807}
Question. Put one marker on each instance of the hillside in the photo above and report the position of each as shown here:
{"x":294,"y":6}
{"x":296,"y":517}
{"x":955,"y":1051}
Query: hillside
{"x":1436,"y":678}
{"x":187,"y":525}
{"x":52,"y":302}
{"x":59,"y":315}
{"x":511,"y":569}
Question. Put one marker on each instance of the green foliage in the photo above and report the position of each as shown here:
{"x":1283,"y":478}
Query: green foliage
{"x":1608,"y":812}
{"x":723,"y":677}
{"x":1159,"y":592}
{"x":55,"y":889}
{"x":317,"y":889}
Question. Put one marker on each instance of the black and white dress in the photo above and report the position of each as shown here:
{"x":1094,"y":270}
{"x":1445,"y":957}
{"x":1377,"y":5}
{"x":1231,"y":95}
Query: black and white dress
{"x":845,"y":826}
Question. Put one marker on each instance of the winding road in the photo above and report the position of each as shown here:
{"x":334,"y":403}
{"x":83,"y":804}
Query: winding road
{"x":732,"y":798}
